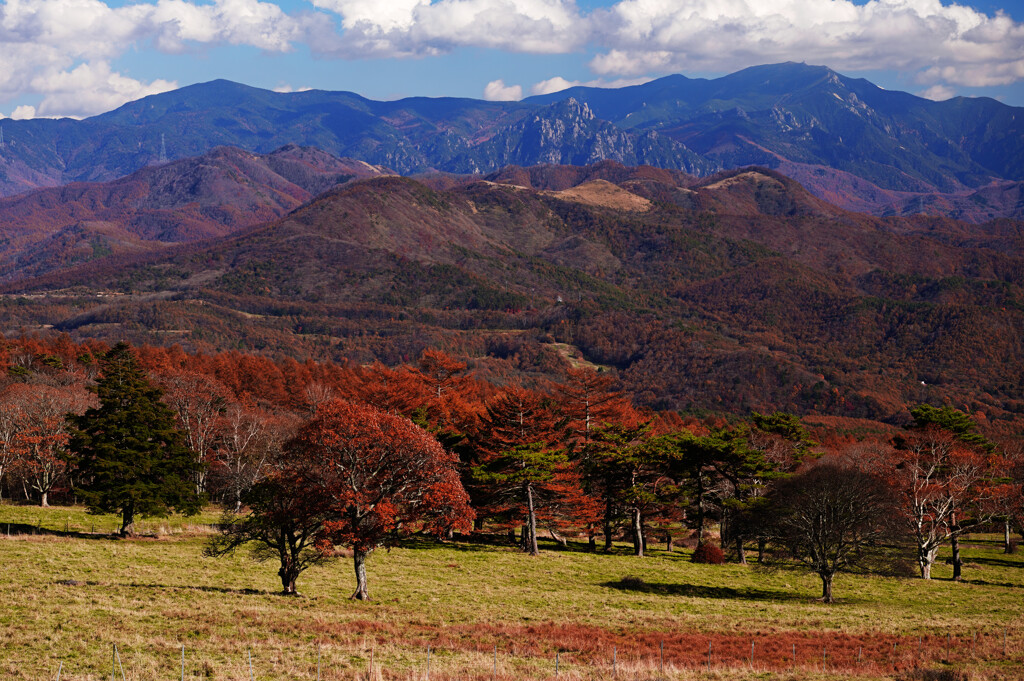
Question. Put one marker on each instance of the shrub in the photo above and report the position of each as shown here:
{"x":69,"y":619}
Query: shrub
{"x":901,"y":567}
{"x":936,"y":675}
{"x":709,"y":554}
{"x":634,"y":583}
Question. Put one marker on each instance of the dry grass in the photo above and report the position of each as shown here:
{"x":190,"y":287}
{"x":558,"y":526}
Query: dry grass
{"x":750,"y":176}
{"x":604,"y":194}
{"x":152,"y":595}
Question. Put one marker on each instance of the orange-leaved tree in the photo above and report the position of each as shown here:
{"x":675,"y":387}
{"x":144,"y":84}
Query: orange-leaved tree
{"x":523,"y":472}
{"x":383,"y":477}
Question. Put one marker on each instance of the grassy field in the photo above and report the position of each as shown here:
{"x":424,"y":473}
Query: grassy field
{"x":69,"y":595}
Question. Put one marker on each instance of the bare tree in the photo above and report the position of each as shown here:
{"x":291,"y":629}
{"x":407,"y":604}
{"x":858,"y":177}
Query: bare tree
{"x":829,"y":516}
{"x":41,"y":436}
{"x":316,"y":393}
{"x":940,"y":478}
{"x":250,"y":439}
{"x":197,"y":401}
{"x":10,"y":414}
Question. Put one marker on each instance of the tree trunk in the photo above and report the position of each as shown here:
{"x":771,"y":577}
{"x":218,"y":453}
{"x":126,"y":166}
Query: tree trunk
{"x":954,"y":543}
{"x":533,"y":549}
{"x":668,"y":542}
{"x":1006,"y":536}
{"x":44,"y":499}
{"x":740,"y":554}
{"x":128,"y":521}
{"x":925,"y":559}
{"x":638,"y":534}
{"x":362,"y":593}
{"x":558,"y":538}
{"x":288,"y":575}
{"x":608,"y":526}
{"x":700,"y":510}
{"x":762,"y":544}
{"x":826,"y":587}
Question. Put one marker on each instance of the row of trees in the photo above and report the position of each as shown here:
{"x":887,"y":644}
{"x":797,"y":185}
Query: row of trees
{"x":570,"y":457}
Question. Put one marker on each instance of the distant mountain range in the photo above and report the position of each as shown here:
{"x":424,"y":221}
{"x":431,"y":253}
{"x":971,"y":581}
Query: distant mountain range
{"x":733,"y":292}
{"x":847,"y":140}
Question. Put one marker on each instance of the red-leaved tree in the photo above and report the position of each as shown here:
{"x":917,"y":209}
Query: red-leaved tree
{"x":383,"y":476}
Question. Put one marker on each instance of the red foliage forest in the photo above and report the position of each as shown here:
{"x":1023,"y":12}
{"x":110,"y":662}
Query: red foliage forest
{"x":573,"y":459}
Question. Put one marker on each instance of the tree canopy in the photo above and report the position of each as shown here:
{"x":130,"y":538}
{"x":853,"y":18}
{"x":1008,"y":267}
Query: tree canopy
{"x":131,"y":459}
{"x":381,"y":476}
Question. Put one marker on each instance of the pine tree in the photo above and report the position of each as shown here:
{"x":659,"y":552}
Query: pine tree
{"x":131,"y":459}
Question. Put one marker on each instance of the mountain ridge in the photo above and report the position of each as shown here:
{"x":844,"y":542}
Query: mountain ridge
{"x":874,"y":142}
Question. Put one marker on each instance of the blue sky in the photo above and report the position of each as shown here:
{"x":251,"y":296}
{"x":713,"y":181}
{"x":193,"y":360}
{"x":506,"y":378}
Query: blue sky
{"x":81,"y":57}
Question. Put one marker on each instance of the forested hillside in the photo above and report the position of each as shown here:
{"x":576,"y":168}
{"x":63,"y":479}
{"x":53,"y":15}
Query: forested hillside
{"x":735,"y":293}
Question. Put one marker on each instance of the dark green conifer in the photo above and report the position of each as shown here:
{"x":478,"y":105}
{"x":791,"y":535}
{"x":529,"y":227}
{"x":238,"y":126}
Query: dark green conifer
{"x":131,"y":459}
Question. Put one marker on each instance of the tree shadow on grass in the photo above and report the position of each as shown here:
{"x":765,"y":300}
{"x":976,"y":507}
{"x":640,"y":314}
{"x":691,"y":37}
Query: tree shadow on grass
{"x":985,"y":582}
{"x":995,"y":562}
{"x":208,"y":589}
{"x":637,"y":585}
{"x":27,"y":530}
{"x":485,"y":543}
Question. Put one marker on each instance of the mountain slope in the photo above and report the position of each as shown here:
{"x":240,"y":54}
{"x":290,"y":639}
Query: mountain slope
{"x":188,"y":200}
{"x":740,"y":291}
{"x":847,"y":139}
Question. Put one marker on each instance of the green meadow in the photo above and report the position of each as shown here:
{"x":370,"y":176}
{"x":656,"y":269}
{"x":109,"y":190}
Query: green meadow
{"x":71,"y":593}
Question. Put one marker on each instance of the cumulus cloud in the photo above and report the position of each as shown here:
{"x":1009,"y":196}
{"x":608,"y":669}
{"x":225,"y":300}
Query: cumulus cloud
{"x":497,"y":91}
{"x":23,"y":112}
{"x":402,"y":28}
{"x":49,"y":47}
{"x":62,"y":49}
{"x":89,"y":88}
{"x":938,"y":93}
{"x":557,"y":84}
{"x":942,"y":42}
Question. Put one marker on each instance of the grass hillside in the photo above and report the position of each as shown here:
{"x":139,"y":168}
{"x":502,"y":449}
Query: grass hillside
{"x":70,"y":595}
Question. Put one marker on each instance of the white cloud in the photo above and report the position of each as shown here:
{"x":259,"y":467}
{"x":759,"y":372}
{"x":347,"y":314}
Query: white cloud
{"x":285,"y":88}
{"x":557,"y":84}
{"x":938,"y":93}
{"x":942,"y":42}
{"x":24,"y":111}
{"x":497,"y":91}
{"x":402,"y":28}
{"x":51,"y":47}
{"x":89,"y":88}
{"x":61,"y":49}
